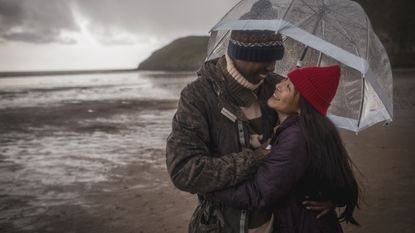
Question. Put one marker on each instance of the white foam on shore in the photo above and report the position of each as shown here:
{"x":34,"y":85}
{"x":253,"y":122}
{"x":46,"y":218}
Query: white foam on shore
{"x":39,"y":157}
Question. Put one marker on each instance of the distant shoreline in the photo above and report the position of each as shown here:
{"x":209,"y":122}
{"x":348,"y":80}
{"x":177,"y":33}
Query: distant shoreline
{"x":64,"y":72}
{"x":13,"y":74}
{"x":22,"y":74}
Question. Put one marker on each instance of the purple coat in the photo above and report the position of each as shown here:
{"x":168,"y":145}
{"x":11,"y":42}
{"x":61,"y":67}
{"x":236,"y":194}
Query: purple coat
{"x":278,"y":186}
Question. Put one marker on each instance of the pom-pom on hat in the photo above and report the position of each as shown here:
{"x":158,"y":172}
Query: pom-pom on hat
{"x":257,"y":45}
{"x":318,"y":85}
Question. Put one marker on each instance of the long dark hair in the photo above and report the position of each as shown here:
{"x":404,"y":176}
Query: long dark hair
{"x":330,"y":174}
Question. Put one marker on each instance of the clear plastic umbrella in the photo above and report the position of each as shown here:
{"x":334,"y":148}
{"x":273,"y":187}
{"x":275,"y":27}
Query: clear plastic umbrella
{"x":322,"y":32}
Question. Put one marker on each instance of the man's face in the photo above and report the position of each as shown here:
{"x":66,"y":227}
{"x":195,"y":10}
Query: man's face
{"x":254,"y":72}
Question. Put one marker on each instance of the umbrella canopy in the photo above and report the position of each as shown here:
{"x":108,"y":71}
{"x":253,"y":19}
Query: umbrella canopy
{"x":322,"y":32}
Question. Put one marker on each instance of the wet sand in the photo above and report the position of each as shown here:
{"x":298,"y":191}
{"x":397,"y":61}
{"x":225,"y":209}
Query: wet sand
{"x":138,"y":196}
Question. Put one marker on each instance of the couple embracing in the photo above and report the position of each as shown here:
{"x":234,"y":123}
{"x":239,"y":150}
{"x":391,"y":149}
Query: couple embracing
{"x":258,"y":149}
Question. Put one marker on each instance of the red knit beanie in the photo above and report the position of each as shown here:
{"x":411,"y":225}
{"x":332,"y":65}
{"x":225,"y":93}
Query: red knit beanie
{"x":317,"y":85}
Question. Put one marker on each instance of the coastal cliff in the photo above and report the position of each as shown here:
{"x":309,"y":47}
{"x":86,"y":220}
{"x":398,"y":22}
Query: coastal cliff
{"x":183,"y":54}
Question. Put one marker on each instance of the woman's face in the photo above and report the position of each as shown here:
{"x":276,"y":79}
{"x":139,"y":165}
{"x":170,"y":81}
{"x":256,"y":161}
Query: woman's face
{"x":285,"y":98}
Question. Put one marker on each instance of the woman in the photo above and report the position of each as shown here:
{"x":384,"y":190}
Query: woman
{"x":307,"y":159}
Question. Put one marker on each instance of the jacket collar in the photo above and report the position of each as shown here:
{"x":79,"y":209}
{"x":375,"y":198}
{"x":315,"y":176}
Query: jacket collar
{"x":216,"y":71}
{"x":291,"y":120}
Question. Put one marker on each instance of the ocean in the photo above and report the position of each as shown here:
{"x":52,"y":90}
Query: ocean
{"x":75,"y":129}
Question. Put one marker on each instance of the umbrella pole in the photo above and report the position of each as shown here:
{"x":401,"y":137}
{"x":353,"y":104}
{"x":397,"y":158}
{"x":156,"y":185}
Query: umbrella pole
{"x":300,"y":61}
{"x":319,"y":59}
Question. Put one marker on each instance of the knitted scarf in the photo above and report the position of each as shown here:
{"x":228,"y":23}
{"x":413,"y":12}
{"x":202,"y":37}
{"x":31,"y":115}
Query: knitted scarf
{"x":243,"y":92}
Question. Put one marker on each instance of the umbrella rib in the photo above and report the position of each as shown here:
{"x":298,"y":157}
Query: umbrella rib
{"x":288,"y":9}
{"x":368,"y":37}
{"x":361,"y":104}
{"x":305,"y":20}
{"x":336,"y":8}
{"x":344,"y":6}
{"x":346,"y":34}
{"x":343,"y":31}
{"x":319,"y":13}
{"x":217,"y":44}
{"x":236,"y":5}
{"x":363,"y":80}
{"x":310,"y":7}
{"x":337,"y":11}
{"x":345,"y":22}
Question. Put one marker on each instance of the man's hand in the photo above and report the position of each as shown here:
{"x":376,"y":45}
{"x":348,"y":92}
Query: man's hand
{"x":323,"y":206}
{"x":263,"y":151}
{"x":265,"y":148}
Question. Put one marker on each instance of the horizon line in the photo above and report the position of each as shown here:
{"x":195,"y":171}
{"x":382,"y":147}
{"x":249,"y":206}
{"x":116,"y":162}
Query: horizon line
{"x":4,"y":74}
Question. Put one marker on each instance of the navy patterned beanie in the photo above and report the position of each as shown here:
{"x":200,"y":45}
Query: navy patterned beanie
{"x":257,"y":45}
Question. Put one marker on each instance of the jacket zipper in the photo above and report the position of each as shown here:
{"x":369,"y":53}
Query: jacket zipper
{"x":241,"y":134}
{"x":242,"y":142}
{"x":242,"y":221}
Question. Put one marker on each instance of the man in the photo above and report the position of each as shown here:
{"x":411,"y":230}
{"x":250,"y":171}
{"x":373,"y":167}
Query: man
{"x":221,"y":121}
{"x":222,"y":126}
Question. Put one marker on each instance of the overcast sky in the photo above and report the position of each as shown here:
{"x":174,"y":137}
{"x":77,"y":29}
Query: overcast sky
{"x":97,"y":34}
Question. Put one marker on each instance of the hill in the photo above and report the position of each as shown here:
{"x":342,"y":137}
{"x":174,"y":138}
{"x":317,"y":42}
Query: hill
{"x":183,"y":54}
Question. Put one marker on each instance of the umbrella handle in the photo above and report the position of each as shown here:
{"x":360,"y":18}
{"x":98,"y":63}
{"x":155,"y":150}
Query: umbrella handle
{"x":300,"y":61}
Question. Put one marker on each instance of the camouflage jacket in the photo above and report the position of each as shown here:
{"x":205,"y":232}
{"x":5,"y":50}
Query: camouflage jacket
{"x":207,"y":149}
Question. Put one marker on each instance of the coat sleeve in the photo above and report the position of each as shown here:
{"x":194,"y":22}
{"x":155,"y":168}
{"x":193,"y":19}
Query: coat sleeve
{"x":275,"y":178}
{"x":189,"y":163}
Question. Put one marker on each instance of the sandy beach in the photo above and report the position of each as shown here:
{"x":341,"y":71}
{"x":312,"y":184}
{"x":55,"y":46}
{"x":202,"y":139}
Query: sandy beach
{"x":136,"y":195}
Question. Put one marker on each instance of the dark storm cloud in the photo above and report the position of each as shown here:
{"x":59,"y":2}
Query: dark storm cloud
{"x":42,"y":21}
{"x":36,"y":21}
